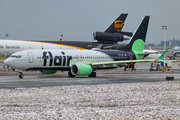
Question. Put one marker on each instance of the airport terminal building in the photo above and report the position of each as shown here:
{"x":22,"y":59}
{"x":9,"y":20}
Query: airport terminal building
{"x":169,"y":43}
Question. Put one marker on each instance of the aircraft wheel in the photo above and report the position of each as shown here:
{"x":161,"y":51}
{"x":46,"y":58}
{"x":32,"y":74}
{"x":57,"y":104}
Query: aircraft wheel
{"x":70,"y":74}
{"x":93,"y":74}
{"x":21,"y":75}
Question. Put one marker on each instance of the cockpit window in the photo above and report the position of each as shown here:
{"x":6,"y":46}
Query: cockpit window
{"x":12,"y":56}
{"x":15,"y":56}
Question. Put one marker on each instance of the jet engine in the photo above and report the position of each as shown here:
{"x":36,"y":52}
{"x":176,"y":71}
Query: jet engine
{"x":175,"y":54}
{"x":81,"y":69}
{"x":109,"y":37}
{"x":48,"y":72}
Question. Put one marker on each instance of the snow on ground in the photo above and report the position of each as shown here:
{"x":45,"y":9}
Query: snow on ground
{"x":135,"y":101}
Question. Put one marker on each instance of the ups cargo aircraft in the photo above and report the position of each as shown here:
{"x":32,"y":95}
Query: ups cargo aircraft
{"x":82,"y":62}
{"x":110,"y":36}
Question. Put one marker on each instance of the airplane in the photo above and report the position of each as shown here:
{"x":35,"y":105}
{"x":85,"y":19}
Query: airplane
{"x":176,"y":49}
{"x":82,"y":62}
{"x":154,"y":54}
{"x":110,"y":36}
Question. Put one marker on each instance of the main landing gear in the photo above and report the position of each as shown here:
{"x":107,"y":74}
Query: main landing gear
{"x":93,"y":74}
{"x":70,"y":74}
{"x":21,"y":75}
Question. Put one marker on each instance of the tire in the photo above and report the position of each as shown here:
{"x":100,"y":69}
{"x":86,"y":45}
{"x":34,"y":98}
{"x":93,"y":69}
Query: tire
{"x":70,"y":74}
{"x":93,"y":74}
{"x":21,"y":76}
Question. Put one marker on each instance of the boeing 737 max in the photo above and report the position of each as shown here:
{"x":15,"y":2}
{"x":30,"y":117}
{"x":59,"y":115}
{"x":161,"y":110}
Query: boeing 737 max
{"x":82,"y":62}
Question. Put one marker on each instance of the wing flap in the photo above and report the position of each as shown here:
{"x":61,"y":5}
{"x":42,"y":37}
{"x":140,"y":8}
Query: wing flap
{"x":118,"y":62}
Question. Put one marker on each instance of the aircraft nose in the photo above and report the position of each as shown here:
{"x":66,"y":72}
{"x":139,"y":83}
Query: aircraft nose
{"x":8,"y":62}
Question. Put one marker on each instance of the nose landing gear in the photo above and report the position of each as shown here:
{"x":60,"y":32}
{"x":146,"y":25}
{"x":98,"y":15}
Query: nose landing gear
{"x":21,"y":75}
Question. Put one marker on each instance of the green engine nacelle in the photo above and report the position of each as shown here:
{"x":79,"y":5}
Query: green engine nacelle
{"x":48,"y":72}
{"x":81,"y":69}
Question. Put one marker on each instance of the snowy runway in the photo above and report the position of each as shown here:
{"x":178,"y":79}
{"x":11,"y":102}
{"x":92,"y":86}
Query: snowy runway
{"x":110,"y":101}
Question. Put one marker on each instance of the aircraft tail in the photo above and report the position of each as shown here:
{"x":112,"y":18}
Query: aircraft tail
{"x":138,"y":40}
{"x":117,"y":25}
{"x":113,"y":33}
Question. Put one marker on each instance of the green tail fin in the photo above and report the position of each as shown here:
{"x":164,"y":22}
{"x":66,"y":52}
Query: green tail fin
{"x":137,"y":41}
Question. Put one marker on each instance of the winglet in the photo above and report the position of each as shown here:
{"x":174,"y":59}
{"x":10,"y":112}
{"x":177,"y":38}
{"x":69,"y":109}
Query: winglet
{"x":162,"y":55}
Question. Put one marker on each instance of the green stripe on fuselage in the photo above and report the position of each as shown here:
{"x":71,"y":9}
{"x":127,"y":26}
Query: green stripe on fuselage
{"x":138,"y":47}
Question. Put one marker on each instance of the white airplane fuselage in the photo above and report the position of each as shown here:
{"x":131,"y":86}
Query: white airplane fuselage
{"x":176,"y":50}
{"x":155,"y":55}
{"x":57,"y":59}
{"x":8,"y":47}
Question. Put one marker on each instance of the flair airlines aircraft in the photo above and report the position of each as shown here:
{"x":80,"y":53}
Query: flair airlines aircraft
{"x":82,"y":62}
{"x":110,"y":36}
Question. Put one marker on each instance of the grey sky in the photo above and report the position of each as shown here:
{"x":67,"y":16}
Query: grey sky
{"x":78,"y":19}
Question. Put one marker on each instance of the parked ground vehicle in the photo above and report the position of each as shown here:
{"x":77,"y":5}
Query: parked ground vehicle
{"x":131,"y":66}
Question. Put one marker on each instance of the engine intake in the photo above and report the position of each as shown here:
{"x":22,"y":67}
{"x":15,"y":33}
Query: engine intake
{"x":81,"y":69}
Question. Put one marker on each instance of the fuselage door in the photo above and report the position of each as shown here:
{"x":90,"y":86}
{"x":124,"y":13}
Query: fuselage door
{"x":31,"y":60}
{"x":130,"y":56}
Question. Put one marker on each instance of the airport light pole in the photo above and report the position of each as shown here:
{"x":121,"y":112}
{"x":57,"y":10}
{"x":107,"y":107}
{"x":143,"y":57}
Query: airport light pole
{"x":164,"y":27}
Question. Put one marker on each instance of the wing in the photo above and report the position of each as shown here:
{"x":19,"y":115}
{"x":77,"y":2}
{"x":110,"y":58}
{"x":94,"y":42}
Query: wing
{"x":119,"y":62}
{"x":130,"y":61}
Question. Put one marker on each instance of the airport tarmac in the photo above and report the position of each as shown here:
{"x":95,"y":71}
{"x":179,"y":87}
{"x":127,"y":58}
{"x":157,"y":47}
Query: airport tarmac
{"x":107,"y":96}
{"x":10,"y":79}
{"x":29,"y":81}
